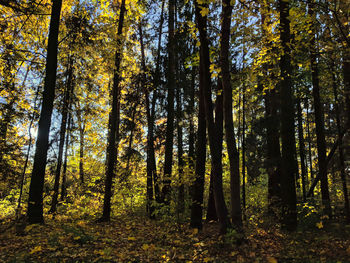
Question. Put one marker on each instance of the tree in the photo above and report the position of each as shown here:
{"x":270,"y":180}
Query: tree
{"x":113,"y":121}
{"x":236,"y":212}
{"x":35,"y":201}
{"x":205,"y":87}
{"x":289,"y":213}
{"x":169,"y":137}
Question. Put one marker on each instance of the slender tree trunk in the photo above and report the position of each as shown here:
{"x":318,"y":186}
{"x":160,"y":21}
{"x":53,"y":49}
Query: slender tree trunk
{"x":319,"y":117}
{"x":35,"y":201}
{"x":309,"y":142}
{"x":151,"y":166}
{"x":289,"y":214}
{"x":205,"y":87}
{"x":113,"y":123}
{"x":156,"y":84}
{"x":201,"y":147}
{"x":301,"y":147}
{"x":66,"y":102}
{"x":181,"y":193}
{"x":236,"y":212}
{"x":243,"y":151}
{"x":64,"y":174}
{"x":341,"y":148}
{"x":169,"y":136}
{"x":18,"y":210}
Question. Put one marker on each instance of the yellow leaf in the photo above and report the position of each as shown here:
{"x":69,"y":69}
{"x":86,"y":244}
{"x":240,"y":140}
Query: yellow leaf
{"x":132,"y":238}
{"x":271,"y":260}
{"x":207,"y":259}
{"x":36,"y":249}
{"x":145,"y":246}
{"x":319,"y":225}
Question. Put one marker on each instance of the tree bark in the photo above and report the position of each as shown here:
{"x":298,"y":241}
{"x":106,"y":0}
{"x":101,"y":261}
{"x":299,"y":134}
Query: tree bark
{"x":301,"y":147}
{"x":169,"y":136}
{"x":236,"y":211}
{"x":289,"y":213}
{"x":64,"y":174}
{"x":35,"y":200}
{"x":319,"y":116}
{"x":113,"y":121}
{"x":65,"y":109}
{"x":205,"y":87}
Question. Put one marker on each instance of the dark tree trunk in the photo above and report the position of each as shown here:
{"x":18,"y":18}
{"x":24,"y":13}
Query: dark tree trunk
{"x":341,"y":148}
{"x":273,"y":151}
{"x":65,"y":108}
{"x":289,"y":214}
{"x":301,"y":147}
{"x":201,"y":146}
{"x":236,"y":211}
{"x":64,"y":174}
{"x":156,"y":84}
{"x":181,"y":193}
{"x":113,"y":122}
{"x":243,"y":151}
{"x":219,"y":121}
{"x":151,"y":166}
{"x":35,"y":200}
{"x":169,"y":136}
{"x":319,"y":117}
{"x":309,"y":142}
{"x":215,"y":152}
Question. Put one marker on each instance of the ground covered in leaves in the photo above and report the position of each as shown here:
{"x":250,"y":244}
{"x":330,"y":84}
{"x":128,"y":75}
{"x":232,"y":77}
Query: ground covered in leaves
{"x":137,"y":239}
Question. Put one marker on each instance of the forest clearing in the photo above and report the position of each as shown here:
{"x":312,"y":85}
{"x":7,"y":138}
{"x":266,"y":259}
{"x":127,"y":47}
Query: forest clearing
{"x":174,"y":131}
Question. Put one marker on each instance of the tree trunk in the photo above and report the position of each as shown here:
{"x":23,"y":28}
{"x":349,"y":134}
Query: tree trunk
{"x":113,"y":122}
{"x":289,"y":213}
{"x":319,"y":117}
{"x":341,"y":148}
{"x":301,"y":147}
{"x":205,"y":87}
{"x":201,"y":147}
{"x":169,"y":136}
{"x":65,"y":109}
{"x":64,"y":174}
{"x":35,"y":200}
{"x":309,"y":142}
{"x":181,"y":193}
{"x":273,"y":151}
{"x":236,"y":212}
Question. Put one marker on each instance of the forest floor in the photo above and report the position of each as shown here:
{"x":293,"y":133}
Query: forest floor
{"x":132,"y":238}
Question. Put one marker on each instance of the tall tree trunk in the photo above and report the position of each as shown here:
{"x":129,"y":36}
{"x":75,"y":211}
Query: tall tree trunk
{"x":205,"y":87}
{"x":309,"y":142}
{"x":151,"y":166}
{"x":289,"y":213}
{"x":243,"y":150}
{"x":341,"y":148}
{"x":301,"y":147}
{"x":32,"y":117}
{"x":156,"y":84}
{"x":64,"y":173}
{"x":273,"y":151}
{"x":236,"y":212}
{"x":201,"y":147}
{"x":113,"y":122}
{"x":65,"y":108}
{"x":81,"y":148}
{"x":35,"y":200}
{"x":181,"y":193}
{"x":319,"y":116}
{"x":169,"y":136}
